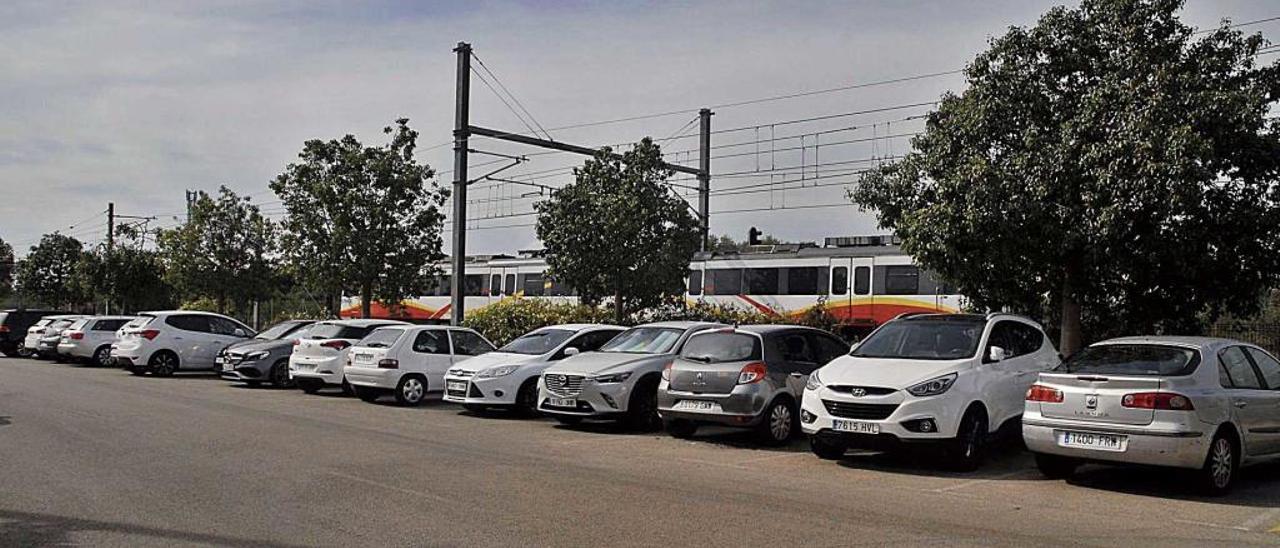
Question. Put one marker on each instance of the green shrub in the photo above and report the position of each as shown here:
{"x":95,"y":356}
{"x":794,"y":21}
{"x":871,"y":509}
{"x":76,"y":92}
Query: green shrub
{"x":513,"y":317}
{"x":702,"y":311}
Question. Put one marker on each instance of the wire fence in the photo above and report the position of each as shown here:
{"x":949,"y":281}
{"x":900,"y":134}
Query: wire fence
{"x":1264,"y":334}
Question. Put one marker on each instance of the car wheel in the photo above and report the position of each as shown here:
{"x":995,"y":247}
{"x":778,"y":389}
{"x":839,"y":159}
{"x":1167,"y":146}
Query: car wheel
{"x":680,"y":428}
{"x":99,"y":357}
{"x":21,"y":351}
{"x":826,"y":450}
{"x":164,"y":363}
{"x":778,"y":423}
{"x":1220,"y":466}
{"x":970,"y":446}
{"x":527,"y":399}
{"x":1055,"y":467}
{"x":568,"y":420}
{"x":367,"y":395}
{"x":411,"y":390}
{"x":280,"y":375}
{"x":642,"y":410}
{"x":346,"y":388}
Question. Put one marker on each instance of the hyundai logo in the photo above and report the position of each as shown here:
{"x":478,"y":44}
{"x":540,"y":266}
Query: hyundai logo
{"x":857,"y":392}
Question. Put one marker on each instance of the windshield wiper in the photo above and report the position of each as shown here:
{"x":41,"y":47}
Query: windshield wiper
{"x":703,"y":359}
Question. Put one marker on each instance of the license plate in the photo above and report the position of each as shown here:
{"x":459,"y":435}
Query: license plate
{"x":562,"y":402}
{"x":228,"y":367}
{"x":363,"y":357}
{"x":855,"y":427}
{"x":457,"y":386}
{"x":696,"y":405}
{"x":1087,"y":440}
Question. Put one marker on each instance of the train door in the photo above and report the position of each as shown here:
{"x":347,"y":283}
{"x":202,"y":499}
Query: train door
{"x":502,"y":283}
{"x":840,"y":298}
{"x":861,"y":295}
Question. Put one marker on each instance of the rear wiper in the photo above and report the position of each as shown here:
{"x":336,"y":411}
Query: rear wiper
{"x":703,"y":359}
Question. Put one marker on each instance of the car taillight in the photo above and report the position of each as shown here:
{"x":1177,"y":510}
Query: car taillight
{"x":1166,"y":401}
{"x":4,"y":329}
{"x":752,"y":373}
{"x":75,"y":335}
{"x":666,"y":371}
{"x":388,"y":363}
{"x":336,"y":345}
{"x":1044,"y":394}
{"x":149,"y":334}
{"x":297,"y":342}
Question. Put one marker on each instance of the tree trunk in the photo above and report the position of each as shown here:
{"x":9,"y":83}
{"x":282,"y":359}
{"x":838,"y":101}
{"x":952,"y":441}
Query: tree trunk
{"x":366,"y":300}
{"x":617,"y":307}
{"x":1070,"y":337}
{"x":334,"y":302}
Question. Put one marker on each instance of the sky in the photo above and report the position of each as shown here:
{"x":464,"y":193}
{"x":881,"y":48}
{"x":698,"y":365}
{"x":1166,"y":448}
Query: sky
{"x":136,"y":102}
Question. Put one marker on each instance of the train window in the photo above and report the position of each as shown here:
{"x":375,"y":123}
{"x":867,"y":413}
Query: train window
{"x":695,"y":282}
{"x":760,"y":281}
{"x":441,"y":286}
{"x":725,"y":281}
{"x":534,"y":285}
{"x":862,"y":280}
{"x":840,"y":280}
{"x":558,"y":289}
{"x":510,"y":284}
{"x":495,"y":285}
{"x":803,"y":280}
{"x":901,"y":280}
{"x":474,"y":285}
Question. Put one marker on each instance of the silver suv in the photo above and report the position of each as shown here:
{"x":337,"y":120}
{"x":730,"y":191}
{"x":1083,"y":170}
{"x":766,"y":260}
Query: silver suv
{"x":620,"y":382}
{"x":751,"y":376}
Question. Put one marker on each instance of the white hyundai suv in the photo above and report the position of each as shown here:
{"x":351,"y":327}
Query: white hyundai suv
{"x":164,"y":342}
{"x":948,"y":379}
{"x":318,"y":359}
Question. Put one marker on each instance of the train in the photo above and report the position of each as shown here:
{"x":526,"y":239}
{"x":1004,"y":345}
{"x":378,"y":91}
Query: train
{"x":863,"y":281}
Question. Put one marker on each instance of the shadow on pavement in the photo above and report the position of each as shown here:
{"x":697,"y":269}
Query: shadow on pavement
{"x":28,"y":529}
{"x":1257,"y":486}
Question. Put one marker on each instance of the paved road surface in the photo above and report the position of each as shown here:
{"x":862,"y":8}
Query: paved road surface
{"x":98,"y":457}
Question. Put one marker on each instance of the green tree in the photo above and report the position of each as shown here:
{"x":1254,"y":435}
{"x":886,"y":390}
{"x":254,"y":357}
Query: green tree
{"x":618,"y":232}
{"x":126,"y":275}
{"x":6,"y":269}
{"x":725,"y":243}
{"x":366,"y":220}
{"x":1108,"y":167}
{"x":224,"y":252}
{"x":48,"y":272}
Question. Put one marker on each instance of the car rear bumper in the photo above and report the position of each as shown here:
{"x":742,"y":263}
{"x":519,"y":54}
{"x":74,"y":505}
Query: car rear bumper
{"x":743,"y":407}
{"x":373,"y":378}
{"x":328,"y":370}
{"x":1181,"y":449}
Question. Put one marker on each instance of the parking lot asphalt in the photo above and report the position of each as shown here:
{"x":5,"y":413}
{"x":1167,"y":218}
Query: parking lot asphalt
{"x":96,"y":456}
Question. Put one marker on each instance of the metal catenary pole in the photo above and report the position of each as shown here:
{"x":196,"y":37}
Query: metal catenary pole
{"x":704,"y":174}
{"x":461,"y":121}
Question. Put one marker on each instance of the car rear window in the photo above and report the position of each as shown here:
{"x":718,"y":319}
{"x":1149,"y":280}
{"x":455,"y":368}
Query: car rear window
{"x":381,"y":338}
{"x":336,"y":331}
{"x":140,"y":321}
{"x":722,"y":347}
{"x":78,"y":324}
{"x":1133,"y":359}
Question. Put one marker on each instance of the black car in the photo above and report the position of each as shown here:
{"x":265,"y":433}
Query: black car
{"x":14,"y":324}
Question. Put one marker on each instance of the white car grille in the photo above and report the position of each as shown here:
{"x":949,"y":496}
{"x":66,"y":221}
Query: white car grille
{"x":461,"y":373}
{"x":564,"y":385}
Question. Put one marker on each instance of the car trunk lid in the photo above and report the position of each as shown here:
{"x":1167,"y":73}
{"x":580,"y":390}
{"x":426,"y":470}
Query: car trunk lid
{"x":364,"y":356}
{"x":1097,"y":398}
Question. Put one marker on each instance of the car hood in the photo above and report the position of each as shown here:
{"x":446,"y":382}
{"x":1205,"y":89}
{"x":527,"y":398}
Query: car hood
{"x":493,"y":359}
{"x":885,"y":372}
{"x":254,"y":345}
{"x":592,"y":363}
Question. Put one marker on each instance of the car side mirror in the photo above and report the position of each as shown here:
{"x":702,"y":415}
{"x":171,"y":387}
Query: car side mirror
{"x":996,"y":354}
{"x":571,"y":351}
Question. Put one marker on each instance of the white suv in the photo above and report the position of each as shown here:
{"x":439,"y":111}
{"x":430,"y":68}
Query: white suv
{"x":318,"y":358}
{"x":951,"y":379}
{"x":164,"y":342}
{"x":508,"y":378}
{"x":91,"y":338}
{"x":409,"y":361}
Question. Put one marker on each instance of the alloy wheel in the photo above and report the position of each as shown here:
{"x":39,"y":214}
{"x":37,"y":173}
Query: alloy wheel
{"x":164,"y":364}
{"x":780,"y":422}
{"x":100,"y":356}
{"x":1222,"y":463}
{"x":412,"y":390}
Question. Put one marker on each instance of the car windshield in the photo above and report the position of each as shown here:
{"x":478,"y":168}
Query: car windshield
{"x":381,"y":338}
{"x":278,"y":331}
{"x":538,"y":342}
{"x":923,"y":340}
{"x":338,"y":331}
{"x":644,"y":340}
{"x":1132,"y":359}
{"x":722,"y":347}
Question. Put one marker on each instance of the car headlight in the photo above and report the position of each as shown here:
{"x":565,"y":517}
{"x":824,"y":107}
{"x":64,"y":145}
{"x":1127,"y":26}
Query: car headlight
{"x":500,"y":371}
{"x":814,"y":382}
{"x":933,"y":387}
{"x":615,"y":377}
{"x":255,"y":356}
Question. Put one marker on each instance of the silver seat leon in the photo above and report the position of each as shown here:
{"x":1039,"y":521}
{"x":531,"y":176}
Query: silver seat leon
{"x":1204,"y":404}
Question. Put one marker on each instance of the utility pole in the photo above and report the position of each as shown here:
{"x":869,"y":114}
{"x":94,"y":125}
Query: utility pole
{"x":191,"y":202}
{"x":111,"y":226}
{"x":461,"y":121}
{"x":704,"y":175}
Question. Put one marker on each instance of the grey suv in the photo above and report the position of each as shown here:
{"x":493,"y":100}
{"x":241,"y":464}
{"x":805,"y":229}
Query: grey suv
{"x":751,"y":376}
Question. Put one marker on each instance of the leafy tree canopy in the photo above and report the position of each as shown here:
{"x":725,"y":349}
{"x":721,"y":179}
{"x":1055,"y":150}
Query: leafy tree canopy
{"x":6,"y":269}
{"x":1107,"y":165}
{"x":617,"y":231}
{"x":127,"y":275}
{"x":47,"y":273}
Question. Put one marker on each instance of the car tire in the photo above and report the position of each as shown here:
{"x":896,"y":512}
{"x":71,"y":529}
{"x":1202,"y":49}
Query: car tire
{"x":526,"y":399}
{"x":680,"y":428}
{"x":99,"y":357}
{"x":411,"y":390}
{"x":642,"y":409}
{"x":826,"y":450}
{"x":309,"y":386}
{"x":568,"y":420}
{"x":1221,"y":466}
{"x":1055,"y":467}
{"x":346,"y":388}
{"x":969,"y":447}
{"x":163,"y":363}
{"x":778,"y":423}
{"x":367,"y":395}
{"x":20,"y":351}
{"x":279,"y":375}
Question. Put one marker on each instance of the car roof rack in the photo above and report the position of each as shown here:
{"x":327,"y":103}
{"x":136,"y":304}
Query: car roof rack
{"x":905,"y":315}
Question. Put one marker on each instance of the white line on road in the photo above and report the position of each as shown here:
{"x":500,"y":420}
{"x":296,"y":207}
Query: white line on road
{"x":1263,"y":519}
{"x":389,"y":487}
{"x":971,"y":483}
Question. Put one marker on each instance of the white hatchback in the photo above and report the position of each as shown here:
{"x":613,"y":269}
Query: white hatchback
{"x":508,"y":377}
{"x":43,"y":329}
{"x":90,"y":338}
{"x":409,"y":361}
{"x":164,"y":342}
{"x":318,"y":358}
{"x":948,"y":379}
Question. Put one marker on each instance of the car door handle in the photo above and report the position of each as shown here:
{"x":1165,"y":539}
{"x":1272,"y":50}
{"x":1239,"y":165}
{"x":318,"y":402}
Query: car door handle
{"x":1240,"y":404}
{"x":796,"y":375}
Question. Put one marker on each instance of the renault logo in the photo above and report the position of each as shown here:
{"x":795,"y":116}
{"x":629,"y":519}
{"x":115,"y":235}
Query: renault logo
{"x":698,"y":379}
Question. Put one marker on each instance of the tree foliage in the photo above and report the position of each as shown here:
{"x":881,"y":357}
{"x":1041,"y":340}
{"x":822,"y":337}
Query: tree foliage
{"x":224,"y":252}
{"x":128,"y":276}
{"x":365,"y":220}
{"x":1108,"y":164}
{"x":725,"y":243}
{"x":48,"y":272}
{"x":6,"y":269}
{"x":618,"y":232}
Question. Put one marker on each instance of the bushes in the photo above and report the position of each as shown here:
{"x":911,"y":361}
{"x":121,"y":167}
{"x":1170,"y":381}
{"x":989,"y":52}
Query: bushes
{"x":511,"y":318}
{"x":702,"y":311}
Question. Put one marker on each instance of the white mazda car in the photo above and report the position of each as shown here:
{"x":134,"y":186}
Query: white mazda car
{"x":162,"y":343}
{"x":318,"y":359}
{"x":508,"y":378}
{"x":947,"y":379}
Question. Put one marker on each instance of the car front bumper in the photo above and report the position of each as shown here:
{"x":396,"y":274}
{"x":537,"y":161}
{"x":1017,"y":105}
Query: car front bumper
{"x":1173,"y":448}
{"x":255,"y":370}
{"x":593,"y":400}
{"x":495,"y":391}
{"x":895,"y":416}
